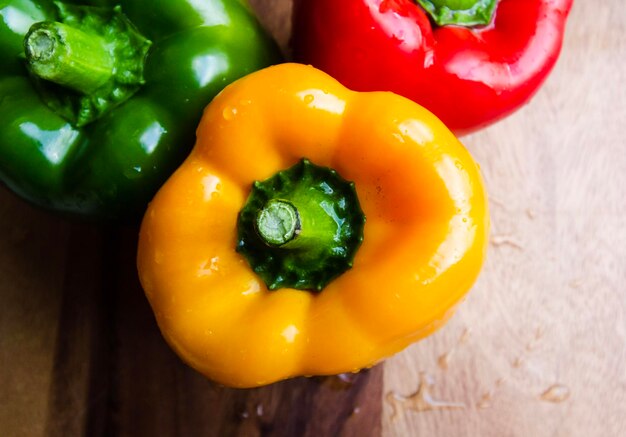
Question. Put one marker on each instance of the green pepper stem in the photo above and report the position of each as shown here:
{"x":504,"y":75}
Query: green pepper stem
{"x":68,"y":56}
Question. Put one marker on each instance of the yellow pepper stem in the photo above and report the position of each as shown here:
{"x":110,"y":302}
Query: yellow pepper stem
{"x":301,"y":227}
{"x":278,"y":222}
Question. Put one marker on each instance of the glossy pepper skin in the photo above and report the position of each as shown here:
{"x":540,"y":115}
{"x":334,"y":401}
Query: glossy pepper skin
{"x":424,"y":242}
{"x":469,"y":77}
{"x":110,"y":167}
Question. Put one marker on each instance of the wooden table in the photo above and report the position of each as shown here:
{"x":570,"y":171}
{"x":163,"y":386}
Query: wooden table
{"x":537,"y":349}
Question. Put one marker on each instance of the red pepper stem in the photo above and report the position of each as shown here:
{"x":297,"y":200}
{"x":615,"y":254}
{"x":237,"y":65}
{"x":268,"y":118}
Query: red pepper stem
{"x":465,"y":13}
{"x":68,"y":56}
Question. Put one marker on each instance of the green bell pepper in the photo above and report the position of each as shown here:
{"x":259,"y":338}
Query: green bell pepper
{"x":99,"y":100}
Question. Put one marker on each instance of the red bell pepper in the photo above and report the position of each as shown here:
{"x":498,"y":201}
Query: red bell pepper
{"x":482,"y":61}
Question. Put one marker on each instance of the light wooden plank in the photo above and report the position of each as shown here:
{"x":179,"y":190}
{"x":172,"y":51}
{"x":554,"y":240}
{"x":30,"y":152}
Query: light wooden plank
{"x":549,"y":310}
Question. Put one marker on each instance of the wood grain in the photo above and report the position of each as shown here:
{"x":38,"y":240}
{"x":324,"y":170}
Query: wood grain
{"x":550,"y":306}
{"x":537,"y":349}
{"x":153,"y":393}
{"x":33,"y":259}
{"x":106,"y":369}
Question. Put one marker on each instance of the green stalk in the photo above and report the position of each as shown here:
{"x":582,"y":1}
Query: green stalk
{"x":464,"y":13}
{"x":68,"y":56}
{"x":299,"y":223}
{"x":278,"y":223}
{"x":301,"y":227}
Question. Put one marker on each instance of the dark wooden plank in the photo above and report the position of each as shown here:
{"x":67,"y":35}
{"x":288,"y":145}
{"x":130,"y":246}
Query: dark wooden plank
{"x":111,"y":373}
{"x":154,"y":393}
{"x":114,"y":375}
{"x":79,"y":390}
{"x":32,"y":265}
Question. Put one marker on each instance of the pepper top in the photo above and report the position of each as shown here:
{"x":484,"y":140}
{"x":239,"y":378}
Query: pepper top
{"x":460,"y":12}
{"x":301,"y":227}
{"x":94,"y":51}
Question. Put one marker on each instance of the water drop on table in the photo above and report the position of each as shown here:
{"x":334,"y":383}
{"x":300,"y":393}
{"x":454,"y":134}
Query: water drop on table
{"x":421,"y":400}
{"x":556,"y":393}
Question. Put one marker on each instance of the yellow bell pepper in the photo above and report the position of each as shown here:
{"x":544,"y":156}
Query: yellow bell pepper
{"x":424,"y":238}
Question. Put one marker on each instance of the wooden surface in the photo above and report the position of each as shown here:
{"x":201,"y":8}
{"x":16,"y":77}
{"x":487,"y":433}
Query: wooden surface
{"x":537,"y":349}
